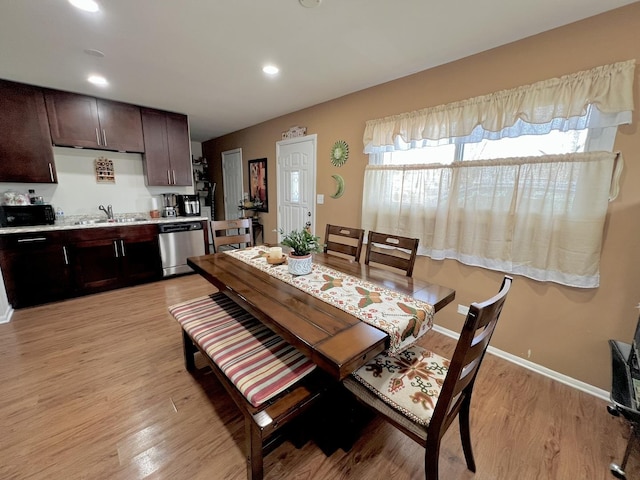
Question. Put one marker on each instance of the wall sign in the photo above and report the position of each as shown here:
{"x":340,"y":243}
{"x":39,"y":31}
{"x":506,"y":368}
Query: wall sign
{"x":104,"y":170}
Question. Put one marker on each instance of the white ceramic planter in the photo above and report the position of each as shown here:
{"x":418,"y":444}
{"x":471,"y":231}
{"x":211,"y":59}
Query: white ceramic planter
{"x":300,"y":265}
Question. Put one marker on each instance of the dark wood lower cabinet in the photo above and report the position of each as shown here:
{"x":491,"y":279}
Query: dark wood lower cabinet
{"x":35,"y":268}
{"x":96,"y":263}
{"x":44,"y":267}
{"x":108,"y":258}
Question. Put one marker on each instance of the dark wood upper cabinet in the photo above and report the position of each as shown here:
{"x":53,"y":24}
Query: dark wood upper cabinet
{"x":121,"y":126}
{"x":26,"y":154}
{"x":167,"y":152}
{"x":81,"y":121}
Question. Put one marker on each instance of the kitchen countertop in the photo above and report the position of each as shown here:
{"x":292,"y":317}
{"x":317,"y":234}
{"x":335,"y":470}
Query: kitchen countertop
{"x":74,"y":223}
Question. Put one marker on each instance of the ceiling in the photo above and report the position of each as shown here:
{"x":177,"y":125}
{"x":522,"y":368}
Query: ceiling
{"x":204,"y":57}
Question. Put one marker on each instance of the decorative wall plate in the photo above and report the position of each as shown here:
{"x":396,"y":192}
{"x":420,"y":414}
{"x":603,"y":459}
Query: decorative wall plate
{"x":339,"y":153}
{"x":339,"y":186}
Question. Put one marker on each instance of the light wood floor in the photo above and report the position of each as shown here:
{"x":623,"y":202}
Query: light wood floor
{"x":94,"y":388}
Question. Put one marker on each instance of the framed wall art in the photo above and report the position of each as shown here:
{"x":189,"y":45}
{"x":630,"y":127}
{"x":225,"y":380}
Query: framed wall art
{"x":258,"y":194}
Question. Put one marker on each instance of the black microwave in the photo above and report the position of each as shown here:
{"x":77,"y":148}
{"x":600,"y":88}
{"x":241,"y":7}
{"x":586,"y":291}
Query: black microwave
{"x":26,"y":215}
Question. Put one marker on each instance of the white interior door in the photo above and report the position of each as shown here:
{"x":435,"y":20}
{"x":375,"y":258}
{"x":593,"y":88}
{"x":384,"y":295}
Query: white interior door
{"x":232,"y":181}
{"x":296,"y":183}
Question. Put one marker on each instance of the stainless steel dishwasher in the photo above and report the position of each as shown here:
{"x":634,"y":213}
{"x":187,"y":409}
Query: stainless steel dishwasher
{"x":178,"y":241}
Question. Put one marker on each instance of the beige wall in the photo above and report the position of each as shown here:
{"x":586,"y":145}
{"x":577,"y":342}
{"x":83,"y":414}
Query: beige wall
{"x":565,"y":329}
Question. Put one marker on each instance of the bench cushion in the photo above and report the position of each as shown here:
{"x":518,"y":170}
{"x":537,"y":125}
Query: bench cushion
{"x":256,"y":360}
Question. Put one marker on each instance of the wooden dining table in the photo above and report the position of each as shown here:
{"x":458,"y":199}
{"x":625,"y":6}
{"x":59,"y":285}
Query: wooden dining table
{"x":333,"y":339}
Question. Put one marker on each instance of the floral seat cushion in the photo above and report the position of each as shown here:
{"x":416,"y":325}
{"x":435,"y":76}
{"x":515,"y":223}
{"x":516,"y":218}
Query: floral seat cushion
{"x":410,"y":381}
{"x":256,"y":360}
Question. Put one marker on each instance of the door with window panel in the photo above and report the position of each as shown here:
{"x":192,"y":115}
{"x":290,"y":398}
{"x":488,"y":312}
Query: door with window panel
{"x":296,"y":183}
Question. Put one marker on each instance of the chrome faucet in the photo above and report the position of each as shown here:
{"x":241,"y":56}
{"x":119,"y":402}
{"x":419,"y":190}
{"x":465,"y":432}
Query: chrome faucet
{"x":108,"y":211}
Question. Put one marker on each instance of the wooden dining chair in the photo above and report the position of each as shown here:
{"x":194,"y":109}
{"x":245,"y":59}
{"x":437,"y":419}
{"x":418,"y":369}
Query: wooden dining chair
{"x":392,"y":250}
{"x":344,"y":240}
{"x":421,"y":393}
{"x":232,"y":232}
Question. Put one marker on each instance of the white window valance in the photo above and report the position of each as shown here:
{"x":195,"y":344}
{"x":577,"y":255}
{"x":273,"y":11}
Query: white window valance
{"x":597,"y":98}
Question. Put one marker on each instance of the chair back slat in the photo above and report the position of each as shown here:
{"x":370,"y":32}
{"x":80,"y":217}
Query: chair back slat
{"x":344,"y":240}
{"x":232,"y":232}
{"x":392,"y":250}
{"x":467,"y":358}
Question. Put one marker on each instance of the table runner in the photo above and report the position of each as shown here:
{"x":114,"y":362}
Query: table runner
{"x":402,"y":317}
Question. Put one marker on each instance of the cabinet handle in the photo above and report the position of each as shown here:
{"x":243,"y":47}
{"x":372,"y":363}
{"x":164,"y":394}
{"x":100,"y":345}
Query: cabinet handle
{"x":34,"y":239}
{"x":51,"y":172}
{"x":115,"y":248}
{"x":168,"y":177}
{"x":122,"y":248}
{"x":174,"y":177}
{"x":66,"y":258}
{"x":97,"y":136}
{"x":104,"y":137}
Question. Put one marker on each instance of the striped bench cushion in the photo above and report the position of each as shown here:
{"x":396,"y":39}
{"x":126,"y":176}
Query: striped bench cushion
{"x":256,"y":360}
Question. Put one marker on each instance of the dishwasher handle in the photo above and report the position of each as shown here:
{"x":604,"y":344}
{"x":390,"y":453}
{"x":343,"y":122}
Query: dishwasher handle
{"x":179,"y":227}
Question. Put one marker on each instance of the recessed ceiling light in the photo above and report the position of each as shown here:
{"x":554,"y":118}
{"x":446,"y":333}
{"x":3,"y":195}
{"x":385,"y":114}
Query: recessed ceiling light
{"x":310,"y":3}
{"x":86,"y":5}
{"x":93,"y":52}
{"x":270,"y":69}
{"x":98,"y":80}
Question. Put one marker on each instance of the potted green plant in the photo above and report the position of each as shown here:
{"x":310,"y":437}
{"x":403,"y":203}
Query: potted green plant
{"x":302,"y":243}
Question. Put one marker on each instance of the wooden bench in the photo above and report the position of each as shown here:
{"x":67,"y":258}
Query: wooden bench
{"x":270,"y":381}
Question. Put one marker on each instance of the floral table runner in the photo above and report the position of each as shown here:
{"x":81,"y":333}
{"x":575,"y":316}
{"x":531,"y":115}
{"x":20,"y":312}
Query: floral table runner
{"x":402,"y":317}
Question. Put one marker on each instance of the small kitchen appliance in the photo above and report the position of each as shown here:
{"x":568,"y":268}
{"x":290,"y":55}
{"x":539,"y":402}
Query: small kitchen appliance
{"x":169,"y":204}
{"x":26,"y":215}
{"x":188,"y":205}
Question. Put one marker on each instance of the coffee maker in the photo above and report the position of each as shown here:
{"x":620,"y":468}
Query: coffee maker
{"x":169,"y":205}
{"x":188,"y":205}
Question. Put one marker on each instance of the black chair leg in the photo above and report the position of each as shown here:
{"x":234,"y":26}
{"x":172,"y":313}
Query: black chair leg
{"x":431,"y":457}
{"x":465,"y":434}
{"x":618,"y":470}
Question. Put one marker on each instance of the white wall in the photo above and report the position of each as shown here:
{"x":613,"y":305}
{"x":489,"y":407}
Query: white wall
{"x":196,"y":149}
{"x":78,"y":193}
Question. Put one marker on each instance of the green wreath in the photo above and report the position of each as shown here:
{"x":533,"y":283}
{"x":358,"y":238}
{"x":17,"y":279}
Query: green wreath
{"x":339,"y":153}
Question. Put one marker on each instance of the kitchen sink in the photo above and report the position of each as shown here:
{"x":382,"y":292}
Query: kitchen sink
{"x":87,"y":222}
{"x":126,"y":220}
{"x":114,"y":220}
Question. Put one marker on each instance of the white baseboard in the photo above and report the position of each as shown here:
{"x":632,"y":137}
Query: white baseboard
{"x":5,"y":317}
{"x":559,"y":377}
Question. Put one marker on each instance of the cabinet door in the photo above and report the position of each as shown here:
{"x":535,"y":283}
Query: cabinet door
{"x":96,"y":264}
{"x":167,"y":148}
{"x":140,"y":254}
{"x":73,"y":119}
{"x":157,"y":167}
{"x":121,"y":126}
{"x":26,"y":154}
{"x":35,"y":269}
{"x":179,"y":149}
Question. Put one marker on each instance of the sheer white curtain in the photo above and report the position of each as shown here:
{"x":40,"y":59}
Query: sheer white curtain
{"x":538,"y":217}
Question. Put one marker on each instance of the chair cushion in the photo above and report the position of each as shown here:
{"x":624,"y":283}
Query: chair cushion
{"x":256,"y":360}
{"x":410,"y":382}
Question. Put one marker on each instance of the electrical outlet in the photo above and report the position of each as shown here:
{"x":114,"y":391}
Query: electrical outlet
{"x":463,"y":309}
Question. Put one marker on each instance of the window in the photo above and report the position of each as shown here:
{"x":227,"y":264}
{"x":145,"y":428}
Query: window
{"x":526,"y":197}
